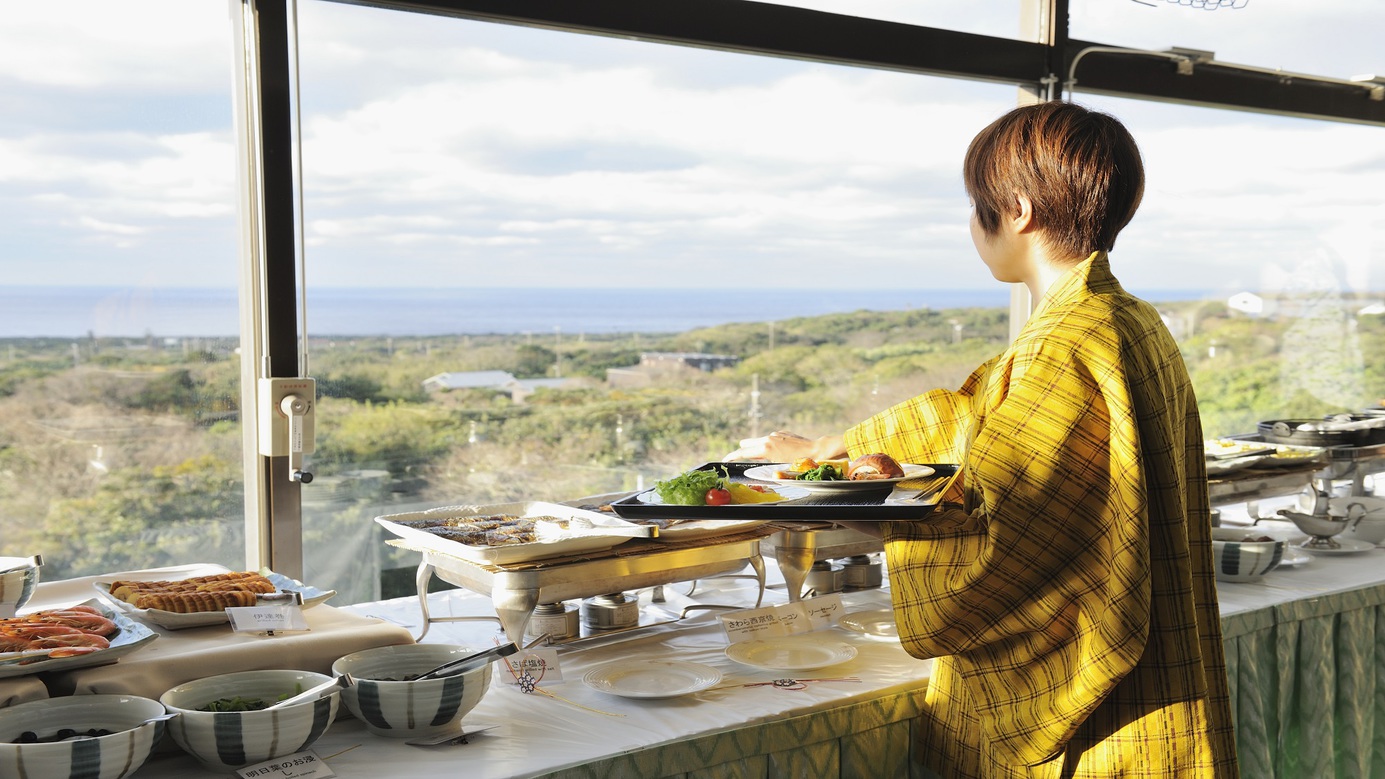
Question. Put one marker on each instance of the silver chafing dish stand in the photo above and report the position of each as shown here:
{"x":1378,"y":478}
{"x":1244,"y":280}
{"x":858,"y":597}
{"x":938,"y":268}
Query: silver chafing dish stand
{"x":517,"y":589}
{"x":798,"y":545}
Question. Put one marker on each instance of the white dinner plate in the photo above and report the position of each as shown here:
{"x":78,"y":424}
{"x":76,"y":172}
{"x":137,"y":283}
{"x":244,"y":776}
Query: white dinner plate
{"x":1294,"y":556}
{"x":786,"y":494}
{"x":878,"y":623}
{"x":791,"y":653}
{"x":651,"y":678}
{"x":1344,"y":546}
{"x":766,"y":473}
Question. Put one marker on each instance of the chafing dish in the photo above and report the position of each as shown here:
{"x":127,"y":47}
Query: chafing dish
{"x":517,"y":589}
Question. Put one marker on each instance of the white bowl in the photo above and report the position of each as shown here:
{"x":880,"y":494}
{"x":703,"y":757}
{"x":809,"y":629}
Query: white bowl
{"x":16,"y":587}
{"x":1237,"y":560}
{"x":103,"y":757}
{"x":230,"y":740}
{"x":408,"y":709}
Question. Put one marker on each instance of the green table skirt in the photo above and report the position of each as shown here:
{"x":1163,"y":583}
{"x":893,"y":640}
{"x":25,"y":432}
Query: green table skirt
{"x":1308,"y":687}
{"x":1307,"y":690}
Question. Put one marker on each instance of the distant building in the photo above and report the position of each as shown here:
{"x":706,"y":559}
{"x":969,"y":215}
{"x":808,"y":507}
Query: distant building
{"x":1246,"y":303}
{"x":663,"y":363}
{"x":495,"y":380}
{"x":498,"y":381}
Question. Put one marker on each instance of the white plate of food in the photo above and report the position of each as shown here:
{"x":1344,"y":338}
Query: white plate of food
{"x":127,"y":636}
{"x":213,"y":610}
{"x":651,"y":678}
{"x":1230,"y":448}
{"x":876,"y":623}
{"x":791,"y":653}
{"x":1289,"y":455}
{"x":783,"y":476}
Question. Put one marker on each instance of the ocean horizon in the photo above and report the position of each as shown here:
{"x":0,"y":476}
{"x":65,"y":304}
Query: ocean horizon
{"x":169,"y":312}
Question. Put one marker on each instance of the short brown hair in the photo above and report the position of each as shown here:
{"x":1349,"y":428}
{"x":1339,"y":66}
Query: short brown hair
{"x":1080,"y":168}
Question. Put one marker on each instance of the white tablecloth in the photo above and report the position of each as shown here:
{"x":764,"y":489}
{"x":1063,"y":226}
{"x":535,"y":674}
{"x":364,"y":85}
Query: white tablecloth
{"x":538,"y":735}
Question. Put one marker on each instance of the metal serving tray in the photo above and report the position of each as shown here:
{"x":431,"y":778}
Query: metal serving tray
{"x":516,"y":590}
{"x":817,"y":507}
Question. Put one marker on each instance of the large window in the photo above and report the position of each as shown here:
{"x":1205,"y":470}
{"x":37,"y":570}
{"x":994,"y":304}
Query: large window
{"x":516,"y":238}
{"x":543,"y":266}
{"x":119,"y":370}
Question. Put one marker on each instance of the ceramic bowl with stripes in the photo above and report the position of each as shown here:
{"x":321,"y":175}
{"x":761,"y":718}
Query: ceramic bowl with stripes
{"x":1239,"y":560}
{"x":391,"y":706}
{"x":230,"y":740}
{"x":132,"y":737}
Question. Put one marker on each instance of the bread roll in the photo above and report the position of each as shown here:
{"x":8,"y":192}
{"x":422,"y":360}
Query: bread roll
{"x":874,"y":466}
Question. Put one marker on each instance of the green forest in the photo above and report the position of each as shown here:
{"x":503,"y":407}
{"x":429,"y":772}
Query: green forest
{"x":126,"y":453}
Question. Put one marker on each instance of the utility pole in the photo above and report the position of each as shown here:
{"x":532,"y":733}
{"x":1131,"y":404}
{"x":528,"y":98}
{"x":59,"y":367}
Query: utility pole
{"x":755,"y":405}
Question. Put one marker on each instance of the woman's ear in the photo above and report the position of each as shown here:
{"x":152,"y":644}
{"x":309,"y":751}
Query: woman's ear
{"x":1023,"y":217}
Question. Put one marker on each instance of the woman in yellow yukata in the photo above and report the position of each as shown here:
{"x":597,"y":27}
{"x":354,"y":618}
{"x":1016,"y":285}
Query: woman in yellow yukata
{"x":1066,"y":587}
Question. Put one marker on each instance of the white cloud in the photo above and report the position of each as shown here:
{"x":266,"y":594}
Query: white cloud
{"x":436,"y":148}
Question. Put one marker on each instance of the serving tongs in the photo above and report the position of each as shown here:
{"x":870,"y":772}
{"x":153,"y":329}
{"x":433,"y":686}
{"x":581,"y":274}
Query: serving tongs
{"x":313,"y":693}
{"x":472,"y":661}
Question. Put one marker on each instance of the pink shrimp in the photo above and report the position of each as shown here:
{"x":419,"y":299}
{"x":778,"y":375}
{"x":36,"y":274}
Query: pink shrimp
{"x":80,"y":619}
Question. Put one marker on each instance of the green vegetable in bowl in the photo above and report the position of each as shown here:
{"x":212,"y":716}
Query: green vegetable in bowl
{"x":241,"y":703}
{"x":688,"y":489}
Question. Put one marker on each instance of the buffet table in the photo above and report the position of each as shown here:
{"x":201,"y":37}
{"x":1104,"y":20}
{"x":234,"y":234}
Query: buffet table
{"x":177,"y":656}
{"x":1303,"y":646}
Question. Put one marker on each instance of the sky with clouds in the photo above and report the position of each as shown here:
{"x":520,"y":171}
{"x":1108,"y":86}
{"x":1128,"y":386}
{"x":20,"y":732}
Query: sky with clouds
{"x":439,"y":152}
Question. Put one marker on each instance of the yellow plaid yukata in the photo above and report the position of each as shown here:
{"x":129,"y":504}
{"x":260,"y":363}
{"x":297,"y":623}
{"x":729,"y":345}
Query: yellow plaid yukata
{"x":1070,"y":599}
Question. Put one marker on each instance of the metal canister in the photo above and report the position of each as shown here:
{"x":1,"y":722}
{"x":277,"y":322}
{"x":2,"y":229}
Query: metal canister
{"x":861,"y":572}
{"x":824,"y":578}
{"x":556,"y":620}
{"x":609,"y":612}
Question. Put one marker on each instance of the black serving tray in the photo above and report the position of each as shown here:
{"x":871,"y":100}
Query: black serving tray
{"x":817,"y":507}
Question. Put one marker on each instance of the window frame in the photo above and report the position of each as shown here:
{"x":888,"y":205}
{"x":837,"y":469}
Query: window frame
{"x":271,"y":291}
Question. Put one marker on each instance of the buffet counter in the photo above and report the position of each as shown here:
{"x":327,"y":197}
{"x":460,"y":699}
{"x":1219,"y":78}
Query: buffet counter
{"x":178,"y":656}
{"x":1302,"y":649}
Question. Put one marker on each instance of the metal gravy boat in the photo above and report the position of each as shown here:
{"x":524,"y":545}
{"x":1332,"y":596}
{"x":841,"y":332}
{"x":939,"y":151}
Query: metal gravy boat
{"x":1315,"y":521}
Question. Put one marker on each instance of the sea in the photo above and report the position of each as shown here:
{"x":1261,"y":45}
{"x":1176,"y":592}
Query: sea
{"x":112,"y":312}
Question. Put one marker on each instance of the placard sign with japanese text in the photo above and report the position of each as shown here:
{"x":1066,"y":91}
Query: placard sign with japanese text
{"x":786,"y":619}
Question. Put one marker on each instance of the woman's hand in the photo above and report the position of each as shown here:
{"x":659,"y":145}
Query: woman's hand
{"x":784,"y":447}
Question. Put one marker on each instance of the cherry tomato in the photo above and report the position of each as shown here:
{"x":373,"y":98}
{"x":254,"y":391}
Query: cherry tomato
{"x":717,"y":497}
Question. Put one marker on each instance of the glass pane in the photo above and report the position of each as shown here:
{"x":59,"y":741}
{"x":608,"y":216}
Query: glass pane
{"x":516,"y":238}
{"x":1274,"y":223}
{"x":119,"y":377}
{"x":1340,"y":40}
